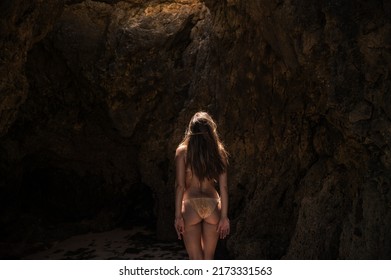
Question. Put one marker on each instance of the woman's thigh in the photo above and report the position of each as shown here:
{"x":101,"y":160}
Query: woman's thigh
{"x":210,"y":235}
{"x":193,"y":231}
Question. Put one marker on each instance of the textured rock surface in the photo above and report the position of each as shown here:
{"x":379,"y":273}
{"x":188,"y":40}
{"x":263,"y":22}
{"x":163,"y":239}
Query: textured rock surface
{"x":299,"y":89}
{"x":140,"y":59}
{"x":307,"y":88}
{"x":90,"y":142}
{"x":21,"y":25}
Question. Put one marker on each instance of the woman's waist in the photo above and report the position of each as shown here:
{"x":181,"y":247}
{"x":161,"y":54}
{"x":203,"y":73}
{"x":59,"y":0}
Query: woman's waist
{"x":196,"y":195}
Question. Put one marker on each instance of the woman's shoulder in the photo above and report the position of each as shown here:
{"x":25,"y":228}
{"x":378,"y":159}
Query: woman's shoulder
{"x":181,"y":150}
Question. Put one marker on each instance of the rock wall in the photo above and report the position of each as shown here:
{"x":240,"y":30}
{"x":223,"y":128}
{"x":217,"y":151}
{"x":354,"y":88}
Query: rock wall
{"x":299,"y":90}
{"x":306,"y":88}
{"x":21,"y":25}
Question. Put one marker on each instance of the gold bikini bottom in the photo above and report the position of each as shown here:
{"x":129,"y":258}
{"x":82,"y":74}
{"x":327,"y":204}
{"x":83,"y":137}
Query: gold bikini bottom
{"x":203,"y":206}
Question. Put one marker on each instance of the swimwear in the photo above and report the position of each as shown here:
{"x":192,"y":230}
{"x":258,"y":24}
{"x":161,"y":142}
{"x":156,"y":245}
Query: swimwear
{"x":203,"y":206}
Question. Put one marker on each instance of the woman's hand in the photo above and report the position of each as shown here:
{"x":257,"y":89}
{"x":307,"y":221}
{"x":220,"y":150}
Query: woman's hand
{"x":179,"y":226}
{"x":223,"y":227}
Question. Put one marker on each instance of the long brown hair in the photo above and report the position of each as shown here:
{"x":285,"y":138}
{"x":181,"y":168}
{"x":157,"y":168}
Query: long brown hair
{"x":206,"y":155}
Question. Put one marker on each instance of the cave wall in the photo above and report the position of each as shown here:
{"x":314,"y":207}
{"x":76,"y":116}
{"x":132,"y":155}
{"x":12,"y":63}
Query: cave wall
{"x":307,"y":87}
{"x":89,"y":147}
{"x":299,"y":90}
{"x":21,"y":25}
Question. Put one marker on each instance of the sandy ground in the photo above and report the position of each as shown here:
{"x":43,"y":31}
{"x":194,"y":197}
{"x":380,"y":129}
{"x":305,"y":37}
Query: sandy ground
{"x":116,"y":244}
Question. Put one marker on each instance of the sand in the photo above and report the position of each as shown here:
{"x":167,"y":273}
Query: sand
{"x":117,"y":244}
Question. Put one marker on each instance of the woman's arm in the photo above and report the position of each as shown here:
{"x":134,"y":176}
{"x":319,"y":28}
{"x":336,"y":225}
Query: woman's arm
{"x":224,"y":226}
{"x":179,"y":189}
{"x":223,"y":194}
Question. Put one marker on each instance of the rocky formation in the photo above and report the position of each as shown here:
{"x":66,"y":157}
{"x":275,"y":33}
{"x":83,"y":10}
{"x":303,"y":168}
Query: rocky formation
{"x":299,"y":89}
{"x":316,"y":150}
{"x":21,"y":25}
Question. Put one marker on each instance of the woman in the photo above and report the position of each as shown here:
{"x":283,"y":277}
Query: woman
{"x":200,"y":212}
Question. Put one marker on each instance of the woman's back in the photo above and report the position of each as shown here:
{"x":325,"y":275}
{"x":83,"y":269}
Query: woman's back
{"x":194,"y":187}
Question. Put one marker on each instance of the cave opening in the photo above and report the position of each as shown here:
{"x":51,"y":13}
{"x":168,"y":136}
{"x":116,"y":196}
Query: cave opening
{"x":69,"y":171}
{"x":52,"y":202}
